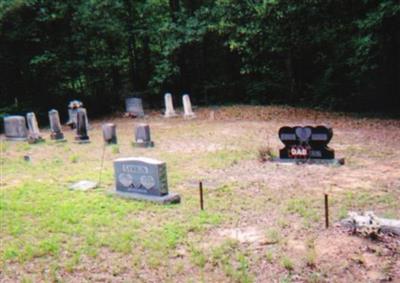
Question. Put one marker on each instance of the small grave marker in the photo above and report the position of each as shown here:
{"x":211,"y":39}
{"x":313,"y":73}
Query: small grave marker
{"x":169,"y":106}
{"x":134,"y":107}
{"x":110,"y":133}
{"x":55,"y":126}
{"x":187,"y":106}
{"x":34,"y":132}
{"x":142,"y":136}
{"x":81,"y":127}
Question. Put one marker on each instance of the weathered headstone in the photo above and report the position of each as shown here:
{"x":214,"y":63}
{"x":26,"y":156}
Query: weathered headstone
{"x":33,"y":127}
{"x":110,"y":133}
{"x":73,"y":107}
{"x":143,"y":179}
{"x":187,"y":107}
{"x":15,"y":128}
{"x":169,"y":106}
{"x":142,"y":136}
{"x":306,"y":143}
{"x":81,"y":127}
{"x":134,"y":107}
{"x":55,"y":126}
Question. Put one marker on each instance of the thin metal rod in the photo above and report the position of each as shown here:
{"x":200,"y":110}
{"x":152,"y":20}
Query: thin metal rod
{"x":326,"y":212}
{"x":201,"y":195}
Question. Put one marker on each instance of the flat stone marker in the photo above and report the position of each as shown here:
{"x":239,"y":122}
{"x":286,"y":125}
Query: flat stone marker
{"x":309,"y":144}
{"x":134,"y":107}
{"x":142,"y":136}
{"x":33,"y":127}
{"x":15,"y":128}
{"x":169,"y":106}
{"x":110,"y":133}
{"x":143,"y":178}
{"x":83,"y":185}
{"x":81,"y":127}
{"x":55,"y":126}
{"x":187,"y":107}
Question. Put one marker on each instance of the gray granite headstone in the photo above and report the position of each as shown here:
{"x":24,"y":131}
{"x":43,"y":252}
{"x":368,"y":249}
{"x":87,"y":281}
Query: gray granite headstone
{"x":110,"y":133}
{"x":15,"y":128}
{"x":73,"y":107}
{"x":55,"y":126}
{"x":81,"y":127}
{"x":143,"y":179}
{"x":134,"y":106}
{"x":142,"y":136}
{"x":33,"y":127}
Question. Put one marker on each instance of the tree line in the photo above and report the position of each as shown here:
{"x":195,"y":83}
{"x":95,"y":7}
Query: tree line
{"x":331,"y":54}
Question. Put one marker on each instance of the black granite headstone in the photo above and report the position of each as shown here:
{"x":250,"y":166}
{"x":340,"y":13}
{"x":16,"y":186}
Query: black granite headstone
{"x":306,"y":142}
{"x":81,"y":126}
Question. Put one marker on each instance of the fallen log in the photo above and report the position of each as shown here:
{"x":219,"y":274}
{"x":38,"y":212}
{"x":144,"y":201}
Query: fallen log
{"x":369,"y":224}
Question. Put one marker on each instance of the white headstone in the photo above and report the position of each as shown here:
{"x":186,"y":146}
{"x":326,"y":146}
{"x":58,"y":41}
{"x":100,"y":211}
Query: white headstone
{"x":187,"y":107}
{"x":169,"y":106}
{"x":55,"y":125}
{"x":33,"y":127}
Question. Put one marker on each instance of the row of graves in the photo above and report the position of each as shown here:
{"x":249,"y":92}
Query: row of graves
{"x":143,"y":178}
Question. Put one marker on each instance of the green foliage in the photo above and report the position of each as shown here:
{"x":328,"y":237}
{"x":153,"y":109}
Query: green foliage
{"x":317,"y":53}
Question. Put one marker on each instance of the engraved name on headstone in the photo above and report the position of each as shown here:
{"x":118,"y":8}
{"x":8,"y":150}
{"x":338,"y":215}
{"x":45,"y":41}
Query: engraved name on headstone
{"x":15,"y":128}
{"x":143,"y":179}
{"x":55,"y":126}
{"x":169,"y":106}
{"x":187,"y":107}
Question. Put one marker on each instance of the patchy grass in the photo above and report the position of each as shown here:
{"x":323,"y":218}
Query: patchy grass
{"x":50,"y":233}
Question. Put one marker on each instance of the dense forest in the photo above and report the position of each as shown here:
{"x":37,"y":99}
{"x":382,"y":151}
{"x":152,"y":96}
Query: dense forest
{"x":331,"y":54}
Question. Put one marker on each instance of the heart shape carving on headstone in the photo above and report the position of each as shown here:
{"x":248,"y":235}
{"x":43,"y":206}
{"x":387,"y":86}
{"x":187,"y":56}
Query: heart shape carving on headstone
{"x":125,"y":179}
{"x":147,"y":181}
{"x":303,"y":134}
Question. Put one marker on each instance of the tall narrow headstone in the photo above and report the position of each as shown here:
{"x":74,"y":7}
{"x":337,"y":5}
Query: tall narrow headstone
{"x":15,"y":128}
{"x":134,"y":107}
{"x":73,"y":107}
{"x":55,"y":126}
{"x":81,"y":126}
{"x":187,"y":107}
{"x":143,"y":179}
{"x":169,"y":106}
{"x":142,"y":136}
{"x":110,"y":133}
{"x":33,"y":127}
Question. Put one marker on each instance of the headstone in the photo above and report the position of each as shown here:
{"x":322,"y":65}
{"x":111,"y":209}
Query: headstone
{"x":134,"y":107}
{"x":110,"y":133}
{"x":169,"y":106}
{"x":81,"y":127}
{"x":187,"y":106}
{"x":55,"y":126}
{"x":33,"y":127}
{"x":304,"y":143}
{"x":142,"y":136}
{"x":143,"y":179}
{"x":73,"y":107}
{"x":15,"y":128}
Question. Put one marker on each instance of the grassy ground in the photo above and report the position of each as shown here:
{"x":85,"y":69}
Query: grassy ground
{"x":263,"y":222}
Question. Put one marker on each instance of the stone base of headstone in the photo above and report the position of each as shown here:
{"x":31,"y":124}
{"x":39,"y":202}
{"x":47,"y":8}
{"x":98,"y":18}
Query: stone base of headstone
{"x":57,"y":136}
{"x":143,"y":144}
{"x":35,"y":140}
{"x":171,"y":198}
{"x":338,"y":162}
{"x":171,"y":115}
{"x":78,"y":141}
{"x":16,"y":139}
{"x":190,"y":116}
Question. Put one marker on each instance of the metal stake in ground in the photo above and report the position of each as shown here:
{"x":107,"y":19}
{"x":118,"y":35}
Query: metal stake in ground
{"x":326,"y":212}
{"x":201,"y":195}
{"x":102,"y":162}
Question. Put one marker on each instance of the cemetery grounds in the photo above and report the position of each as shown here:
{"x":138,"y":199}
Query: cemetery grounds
{"x":263,"y":221}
